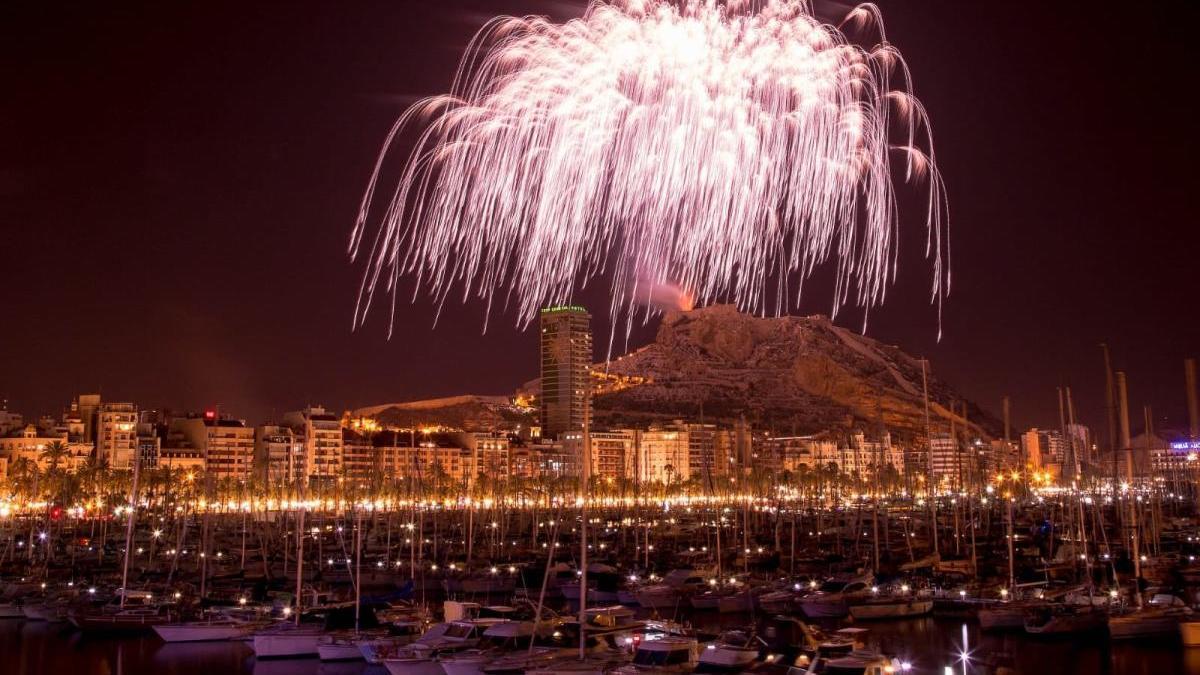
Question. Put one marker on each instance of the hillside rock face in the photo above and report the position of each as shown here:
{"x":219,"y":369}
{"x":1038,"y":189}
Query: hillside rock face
{"x":789,"y":374}
{"x":468,"y":412}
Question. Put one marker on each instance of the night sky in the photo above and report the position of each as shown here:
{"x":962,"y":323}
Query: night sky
{"x":178,"y":182}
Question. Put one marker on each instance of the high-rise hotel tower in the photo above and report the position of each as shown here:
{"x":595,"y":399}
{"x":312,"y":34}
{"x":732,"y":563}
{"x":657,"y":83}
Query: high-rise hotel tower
{"x":566,"y":371}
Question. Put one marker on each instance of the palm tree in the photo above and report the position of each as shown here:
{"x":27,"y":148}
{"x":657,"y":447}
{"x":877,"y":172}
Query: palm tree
{"x":54,"y":453}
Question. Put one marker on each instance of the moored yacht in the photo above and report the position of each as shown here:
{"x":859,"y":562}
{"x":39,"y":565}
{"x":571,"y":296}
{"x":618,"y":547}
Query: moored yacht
{"x":833,"y":598}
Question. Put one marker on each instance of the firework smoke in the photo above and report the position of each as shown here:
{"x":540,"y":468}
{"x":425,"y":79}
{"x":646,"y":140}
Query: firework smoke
{"x":726,"y":149}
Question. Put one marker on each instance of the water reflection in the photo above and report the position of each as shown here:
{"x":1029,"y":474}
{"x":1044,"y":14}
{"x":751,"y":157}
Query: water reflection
{"x":930,"y":644}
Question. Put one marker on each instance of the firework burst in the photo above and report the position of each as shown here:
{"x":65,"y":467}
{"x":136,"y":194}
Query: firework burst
{"x":726,"y":149}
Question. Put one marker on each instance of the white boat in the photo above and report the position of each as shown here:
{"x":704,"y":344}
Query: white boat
{"x":422,"y":656}
{"x":891,"y":608}
{"x":290,"y":642}
{"x":204,"y":631}
{"x":498,"y":640}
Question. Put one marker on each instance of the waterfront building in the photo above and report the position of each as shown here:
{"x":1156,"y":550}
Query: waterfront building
{"x":10,"y":421}
{"x":946,"y":461}
{"x":31,"y":442}
{"x":566,"y":365}
{"x":149,"y":443}
{"x":1004,"y":456}
{"x":226,"y":444}
{"x":1044,"y":451}
{"x":279,"y":454}
{"x":116,"y":433}
{"x":358,"y":455}
{"x":323,"y":445}
{"x":664,"y":455}
{"x":488,"y":453}
{"x":614,"y":454}
{"x":86,"y":407}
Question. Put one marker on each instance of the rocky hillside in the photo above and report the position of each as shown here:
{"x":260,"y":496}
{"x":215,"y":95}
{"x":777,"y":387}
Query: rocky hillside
{"x":470,"y":413}
{"x":790,"y":374}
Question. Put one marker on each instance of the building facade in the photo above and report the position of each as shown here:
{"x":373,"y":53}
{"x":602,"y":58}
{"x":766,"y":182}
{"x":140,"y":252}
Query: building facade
{"x":323,"y":445}
{"x":566,"y":366}
{"x":116,"y":434}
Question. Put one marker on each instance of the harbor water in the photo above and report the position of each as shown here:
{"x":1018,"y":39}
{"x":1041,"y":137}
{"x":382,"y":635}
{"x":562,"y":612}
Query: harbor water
{"x":28,"y":648}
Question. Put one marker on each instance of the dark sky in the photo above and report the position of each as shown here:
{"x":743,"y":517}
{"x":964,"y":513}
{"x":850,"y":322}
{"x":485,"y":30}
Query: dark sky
{"x":178,"y":181}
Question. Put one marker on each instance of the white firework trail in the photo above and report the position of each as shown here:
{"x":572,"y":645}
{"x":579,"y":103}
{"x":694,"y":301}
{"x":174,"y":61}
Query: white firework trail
{"x":724,"y":148}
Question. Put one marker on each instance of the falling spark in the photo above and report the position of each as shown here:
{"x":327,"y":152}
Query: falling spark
{"x":724,"y":149}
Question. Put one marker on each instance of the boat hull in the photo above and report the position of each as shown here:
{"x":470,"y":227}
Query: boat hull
{"x":890,"y":610}
{"x":832,"y":609}
{"x":1001,"y":618}
{"x":186,"y":633}
{"x":413,"y":667}
{"x":339,"y":651}
{"x":285,"y":646}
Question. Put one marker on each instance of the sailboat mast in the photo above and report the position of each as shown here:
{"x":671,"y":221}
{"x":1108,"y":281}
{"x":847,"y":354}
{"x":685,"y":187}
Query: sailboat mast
{"x":585,"y":476}
{"x":137,"y":464}
{"x":932,"y":491}
{"x":1131,"y":537}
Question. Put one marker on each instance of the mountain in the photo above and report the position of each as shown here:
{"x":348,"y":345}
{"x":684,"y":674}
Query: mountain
{"x":468,"y":412}
{"x":790,"y":374}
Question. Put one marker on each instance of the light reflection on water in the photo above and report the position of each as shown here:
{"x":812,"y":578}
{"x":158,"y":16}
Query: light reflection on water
{"x":37,"y":648}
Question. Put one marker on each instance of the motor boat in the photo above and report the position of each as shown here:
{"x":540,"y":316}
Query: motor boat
{"x":498,"y":640}
{"x":422,"y":656}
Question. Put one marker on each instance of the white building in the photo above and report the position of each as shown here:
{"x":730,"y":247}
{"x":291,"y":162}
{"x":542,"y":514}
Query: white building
{"x":323,"y":445}
{"x":664,"y":456}
{"x":279,"y":454}
{"x":614,"y":454}
{"x":116,"y":434}
{"x":227,"y":445}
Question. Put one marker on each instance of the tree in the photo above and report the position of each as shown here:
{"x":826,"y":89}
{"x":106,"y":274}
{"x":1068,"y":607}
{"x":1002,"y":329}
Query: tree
{"x":54,"y":453}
